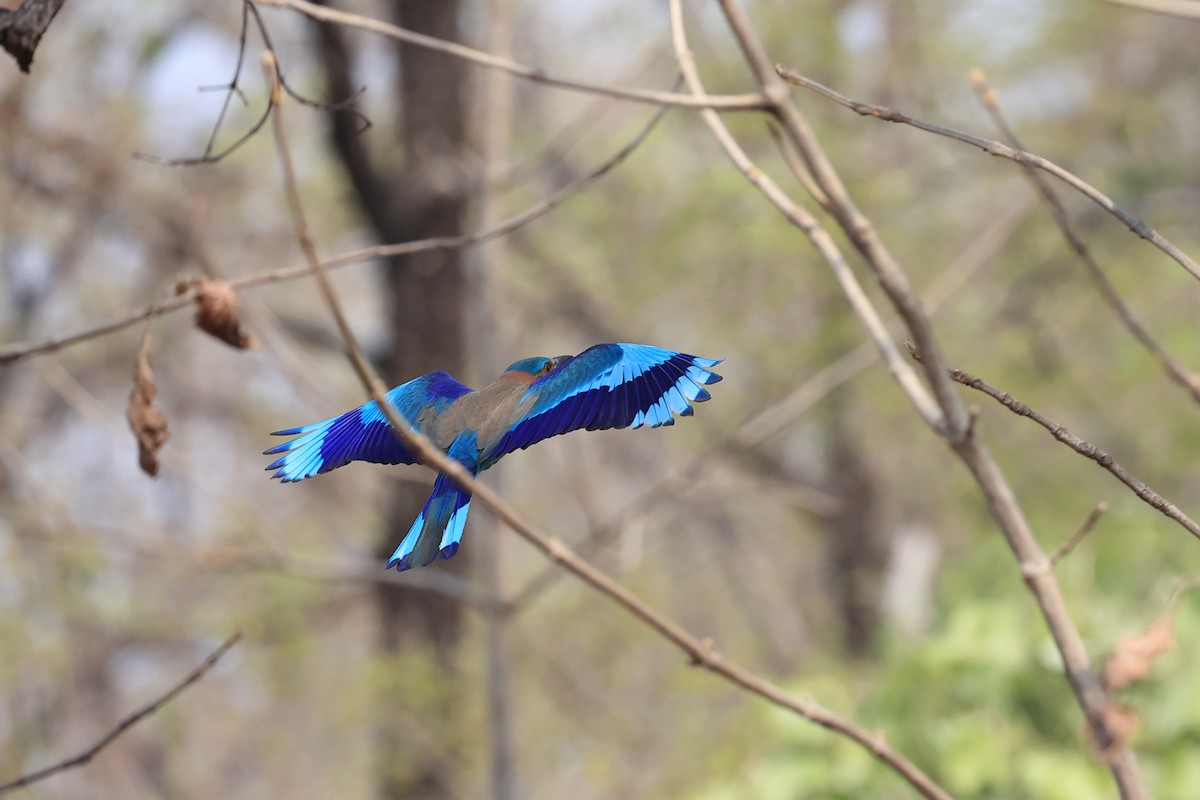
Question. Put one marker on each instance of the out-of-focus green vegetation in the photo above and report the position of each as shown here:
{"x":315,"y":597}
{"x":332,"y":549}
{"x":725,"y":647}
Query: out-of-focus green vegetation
{"x":112,"y":585}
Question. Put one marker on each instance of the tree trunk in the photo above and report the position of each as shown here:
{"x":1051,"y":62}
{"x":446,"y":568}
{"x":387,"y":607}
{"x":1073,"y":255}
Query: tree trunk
{"x":420,"y":731}
{"x":858,"y":543}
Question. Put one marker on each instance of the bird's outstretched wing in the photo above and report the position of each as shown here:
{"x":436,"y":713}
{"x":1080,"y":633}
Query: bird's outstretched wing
{"x":609,"y":386}
{"x":364,"y":433}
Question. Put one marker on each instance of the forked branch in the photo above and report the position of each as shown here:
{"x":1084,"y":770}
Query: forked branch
{"x":1001,"y":150}
{"x":958,"y":431}
{"x":125,"y":724}
{"x":701,"y":652}
{"x":1083,"y":447}
{"x":23,"y":350}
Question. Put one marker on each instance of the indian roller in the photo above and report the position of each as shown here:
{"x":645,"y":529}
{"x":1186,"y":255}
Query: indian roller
{"x":605,"y":386}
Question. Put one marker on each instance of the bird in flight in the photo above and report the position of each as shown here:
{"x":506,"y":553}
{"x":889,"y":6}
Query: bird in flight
{"x":605,"y":386}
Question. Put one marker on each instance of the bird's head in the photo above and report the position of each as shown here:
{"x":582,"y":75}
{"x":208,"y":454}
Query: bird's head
{"x":536,"y":365}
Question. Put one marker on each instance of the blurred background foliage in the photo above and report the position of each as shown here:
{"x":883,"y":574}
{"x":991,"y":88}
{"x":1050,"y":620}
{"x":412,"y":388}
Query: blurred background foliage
{"x":847,"y":557}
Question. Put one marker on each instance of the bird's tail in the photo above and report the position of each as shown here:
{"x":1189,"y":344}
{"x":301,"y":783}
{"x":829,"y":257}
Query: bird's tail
{"x":437,"y":529}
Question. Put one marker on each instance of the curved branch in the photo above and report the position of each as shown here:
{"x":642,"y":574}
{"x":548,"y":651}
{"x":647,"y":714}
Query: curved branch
{"x":1175,"y":8}
{"x":1084,"y":448}
{"x":1001,"y":150}
{"x":701,"y":652}
{"x":742,"y":102}
{"x":1174,"y":368}
{"x":796,"y":214}
{"x":22,"y":350}
{"x":777,"y":414}
{"x":125,"y":724}
{"x":339,"y":107}
{"x":958,"y":432}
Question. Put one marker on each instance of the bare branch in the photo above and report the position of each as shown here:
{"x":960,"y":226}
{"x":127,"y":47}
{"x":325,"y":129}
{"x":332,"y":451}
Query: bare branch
{"x":22,"y":29}
{"x":1066,"y":547}
{"x":232,"y":88}
{"x":1175,"y":369}
{"x":742,"y":102}
{"x":992,"y":147}
{"x":571,"y":134}
{"x":701,"y":652}
{"x":125,"y":724}
{"x":1085,"y":449}
{"x":63,"y":527}
{"x":1176,"y":8}
{"x":23,"y":350}
{"x":858,"y":229}
{"x":957,"y":430}
{"x":361,"y":572}
{"x":774,"y":417}
{"x":358,"y":360}
{"x":796,"y":214}
{"x":779,"y":413}
{"x":797,"y":166}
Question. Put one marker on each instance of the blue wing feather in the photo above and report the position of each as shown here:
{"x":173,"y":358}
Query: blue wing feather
{"x":606,"y":386}
{"x":609,"y":386}
{"x":363,"y":434}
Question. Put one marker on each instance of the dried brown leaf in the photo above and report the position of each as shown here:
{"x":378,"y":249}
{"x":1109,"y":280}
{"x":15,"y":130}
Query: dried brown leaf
{"x":1136,"y":653}
{"x":217,"y":313}
{"x":148,"y":423}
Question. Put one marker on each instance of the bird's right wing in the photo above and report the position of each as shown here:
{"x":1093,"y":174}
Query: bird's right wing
{"x":610,"y":386}
{"x":364,"y":433}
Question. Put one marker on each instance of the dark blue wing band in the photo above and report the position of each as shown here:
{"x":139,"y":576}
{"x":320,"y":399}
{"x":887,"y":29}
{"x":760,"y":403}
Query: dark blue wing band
{"x":362,"y":434}
{"x":611,"y":386}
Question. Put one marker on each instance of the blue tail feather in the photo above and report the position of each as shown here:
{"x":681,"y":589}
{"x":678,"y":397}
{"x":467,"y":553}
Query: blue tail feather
{"x":437,"y":530}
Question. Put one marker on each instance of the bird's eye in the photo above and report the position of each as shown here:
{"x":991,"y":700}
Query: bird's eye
{"x":549,"y":365}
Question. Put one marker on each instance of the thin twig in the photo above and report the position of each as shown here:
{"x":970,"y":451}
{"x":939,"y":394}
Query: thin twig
{"x":1084,"y":448}
{"x":797,"y":166}
{"x":1066,"y":547}
{"x":907,"y":380}
{"x":22,"y":350}
{"x":361,"y":573}
{"x":701,"y":652}
{"x":554,"y":149}
{"x":125,"y":724}
{"x":1183,"y":585}
{"x":796,"y":214}
{"x":742,"y":102}
{"x":992,"y":147}
{"x":307,"y":246}
{"x":209,"y":158}
{"x":61,"y":526}
{"x":1175,"y":8}
{"x":953,"y":421}
{"x":780,"y":412}
{"x":1174,"y":368}
{"x":232,"y":88}
{"x":959,"y":432}
{"x":776,"y":415}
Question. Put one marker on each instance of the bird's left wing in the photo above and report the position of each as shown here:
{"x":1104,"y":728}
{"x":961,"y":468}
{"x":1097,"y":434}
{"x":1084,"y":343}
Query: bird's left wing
{"x":609,"y":386}
{"x":364,"y":433}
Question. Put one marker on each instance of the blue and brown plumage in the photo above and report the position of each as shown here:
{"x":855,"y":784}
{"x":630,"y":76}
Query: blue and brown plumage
{"x":605,"y":386}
